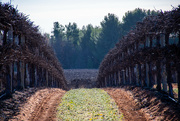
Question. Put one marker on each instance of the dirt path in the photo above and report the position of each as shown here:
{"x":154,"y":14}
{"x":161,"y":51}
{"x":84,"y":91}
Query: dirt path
{"x":41,"y":106}
{"x":139,"y":104}
{"x":135,"y":103}
{"x":126,"y":104}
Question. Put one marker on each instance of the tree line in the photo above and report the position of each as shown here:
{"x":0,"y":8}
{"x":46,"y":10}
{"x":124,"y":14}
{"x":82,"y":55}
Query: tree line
{"x":85,"y":48}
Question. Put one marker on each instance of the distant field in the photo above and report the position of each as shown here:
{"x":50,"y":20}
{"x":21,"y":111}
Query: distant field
{"x":72,"y":74}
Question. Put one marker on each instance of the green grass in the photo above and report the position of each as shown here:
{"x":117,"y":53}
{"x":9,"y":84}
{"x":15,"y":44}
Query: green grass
{"x":86,"y":105}
{"x":175,"y":90}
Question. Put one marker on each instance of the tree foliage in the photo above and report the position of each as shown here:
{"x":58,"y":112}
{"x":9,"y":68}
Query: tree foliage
{"x":86,"y":47}
{"x":109,"y":35}
{"x":131,"y":17}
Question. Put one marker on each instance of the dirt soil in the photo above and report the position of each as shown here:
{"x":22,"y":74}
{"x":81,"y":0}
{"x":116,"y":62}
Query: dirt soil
{"x":135,"y":103}
{"x":40,"y":106}
{"x":138,"y":104}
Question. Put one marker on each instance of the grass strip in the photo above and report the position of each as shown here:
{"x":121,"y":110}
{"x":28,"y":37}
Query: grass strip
{"x":86,"y":105}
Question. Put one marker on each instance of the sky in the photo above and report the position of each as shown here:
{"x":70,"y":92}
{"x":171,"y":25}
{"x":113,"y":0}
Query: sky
{"x":83,"y":12}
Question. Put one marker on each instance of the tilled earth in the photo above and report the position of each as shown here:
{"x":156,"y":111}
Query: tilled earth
{"x":33,"y":105}
{"x":138,"y":104}
{"x":135,"y":103}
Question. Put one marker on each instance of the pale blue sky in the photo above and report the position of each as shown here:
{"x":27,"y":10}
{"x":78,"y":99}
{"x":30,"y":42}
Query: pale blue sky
{"x":83,"y":12}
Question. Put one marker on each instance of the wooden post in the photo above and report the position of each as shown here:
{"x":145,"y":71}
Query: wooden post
{"x":111,"y":80}
{"x":137,"y":75}
{"x":162,"y":39}
{"x":130,"y":79}
{"x":30,"y":74}
{"x":158,"y":41}
{"x":143,"y":76}
{"x":102,"y":82}
{"x":179,"y":40}
{"x":147,"y":74}
{"x":25,"y":75}
{"x":114,"y":78}
{"x":18,"y":76}
{"x":5,"y":37}
{"x":159,"y":77}
{"x":52,"y":81}
{"x":8,"y":81}
{"x":47,"y":81}
{"x":36,"y":76}
{"x":167,"y":39}
{"x":119,"y":78}
{"x":27,"y":82}
{"x":140,"y":78}
{"x":178,"y":79}
{"x":32,"y":83}
{"x":10,"y":35}
{"x":22,"y":74}
{"x":150,"y":75}
{"x":124,"y":77}
{"x":40,"y":76}
{"x":164,"y":78}
{"x":105,"y":81}
{"x":151,"y":41}
{"x":132,"y":75}
{"x":11,"y":77}
{"x":169,"y":77}
{"x":178,"y":72}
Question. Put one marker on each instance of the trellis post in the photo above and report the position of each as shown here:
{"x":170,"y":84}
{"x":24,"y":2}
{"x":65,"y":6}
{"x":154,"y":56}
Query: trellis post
{"x":8,"y":81}
{"x":137,"y":75}
{"x":130,"y":74}
{"x":124,"y":76}
{"x":169,"y":77}
{"x":150,"y":75}
{"x":159,"y":77}
{"x":164,"y":78}
{"x":133,"y":76}
{"x":36,"y":76}
{"x":178,"y":71}
{"x":178,"y":79}
{"x":144,"y":79}
{"x":47,"y":78}
{"x":5,"y":37}
{"x":27,"y":82}
{"x":22,"y":74}
{"x":11,"y":76}
{"x":106,"y":81}
{"x":140,"y":78}
{"x":147,"y":75}
{"x":166,"y":39}
{"x":119,"y":78}
{"x":51,"y":81}
{"x":114,"y":79}
{"x":32,"y":82}
{"x":18,"y":75}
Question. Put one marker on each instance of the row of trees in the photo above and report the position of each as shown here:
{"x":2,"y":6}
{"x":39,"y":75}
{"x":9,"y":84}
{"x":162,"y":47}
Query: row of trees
{"x":86,"y":47}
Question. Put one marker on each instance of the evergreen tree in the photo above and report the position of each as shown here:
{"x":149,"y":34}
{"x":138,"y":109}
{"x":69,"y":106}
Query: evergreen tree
{"x":109,"y":35}
{"x":130,"y":18}
{"x":88,"y":45}
{"x":72,"y":33}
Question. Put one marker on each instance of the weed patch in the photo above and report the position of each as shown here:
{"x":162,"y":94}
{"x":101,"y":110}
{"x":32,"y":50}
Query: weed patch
{"x":88,"y":104}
